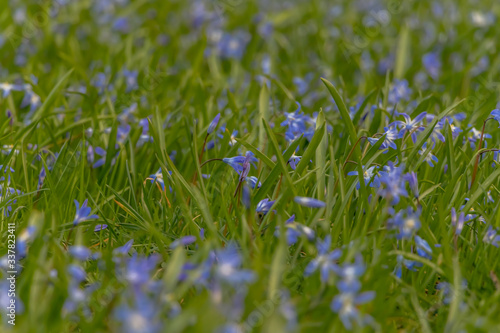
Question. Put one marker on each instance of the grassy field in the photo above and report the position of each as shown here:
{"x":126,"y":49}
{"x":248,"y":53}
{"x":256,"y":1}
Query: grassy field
{"x":249,"y":166}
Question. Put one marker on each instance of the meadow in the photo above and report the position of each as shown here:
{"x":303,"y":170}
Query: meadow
{"x":249,"y":166}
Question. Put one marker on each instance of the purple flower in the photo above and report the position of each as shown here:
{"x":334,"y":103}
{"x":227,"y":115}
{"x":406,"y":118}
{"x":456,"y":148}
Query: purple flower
{"x":406,"y":221}
{"x":491,"y":237}
{"x":411,"y":126}
{"x":392,"y":178}
{"x":213,"y":124}
{"x":391,"y":134}
{"x":79,"y":252}
{"x":241,"y":164}
{"x":228,"y":267}
{"x":295,"y":230}
{"x":83,"y":213}
{"x":264,"y":206}
{"x":346,"y":305}
{"x":183,"y":241}
{"x":423,"y":248}
{"x":458,"y":223}
{"x":123,"y":250}
{"x":100,"y":227}
{"x":253,"y":182}
{"x":496,"y":115}
{"x":432,"y":64}
{"x":368,"y":174}
{"x":309,"y":202}
{"x":325,"y":260}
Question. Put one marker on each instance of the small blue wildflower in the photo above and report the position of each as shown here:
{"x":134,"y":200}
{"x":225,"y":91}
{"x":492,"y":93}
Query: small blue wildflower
{"x":241,"y":164}
{"x":407,"y":222}
{"x":475,"y":136}
{"x":183,"y":241}
{"x":400,"y":91}
{"x":350,"y":274}
{"x":346,"y":305}
{"x":213,"y":124}
{"x":392,"y":178}
{"x":423,"y":248}
{"x":496,"y":115}
{"x":253,"y":182}
{"x":7,"y":88}
{"x":325,"y":260}
{"x":411,"y":126}
{"x":100,"y":227}
{"x":83,"y":213}
{"x":309,"y":202}
{"x":409,"y":264}
{"x":294,"y":160}
{"x":79,"y":252}
{"x":458,"y":223}
{"x":228,"y":267}
{"x":412,"y":180}
{"x":391,"y":134}
{"x":130,"y":80}
{"x":123,"y":250}
{"x":295,"y":230}
{"x":432,"y":64}
{"x":264,"y":206}
{"x":77,"y":273}
{"x":429,"y":157}
{"x":368,"y":174}
{"x":158,"y":178}
{"x":492,"y":237}
{"x":22,"y":240}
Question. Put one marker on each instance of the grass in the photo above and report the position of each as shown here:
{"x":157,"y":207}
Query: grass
{"x":349,"y":65}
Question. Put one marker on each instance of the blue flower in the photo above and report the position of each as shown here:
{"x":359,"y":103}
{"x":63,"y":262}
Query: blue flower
{"x":392,"y":178}
{"x":123,"y":250}
{"x":253,"y":181}
{"x":22,"y":240}
{"x":429,"y":157}
{"x":138,"y":269}
{"x":423,"y":248}
{"x":130,"y":80}
{"x":346,"y":305}
{"x":496,"y":115}
{"x":458,"y":223}
{"x":411,"y":126}
{"x":100,"y":227}
{"x":79,"y":252}
{"x":406,"y":221}
{"x":368,"y":174}
{"x":400,"y":91}
{"x":264,"y":206}
{"x":432,"y":64}
{"x":158,"y":178}
{"x":409,"y":264}
{"x":325,"y":260}
{"x":350,"y":274}
{"x":228,"y":267}
{"x":391,"y":134}
{"x":7,"y":88}
{"x":83,"y":213}
{"x":213,"y":124}
{"x":183,"y":241}
{"x":294,"y":160}
{"x":241,"y":164}
{"x":475,"y":136}
{"x":309,"y":202}
{"x":412,"y":180}
{"x":491,"y":237}
{"x":295,"y":230}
